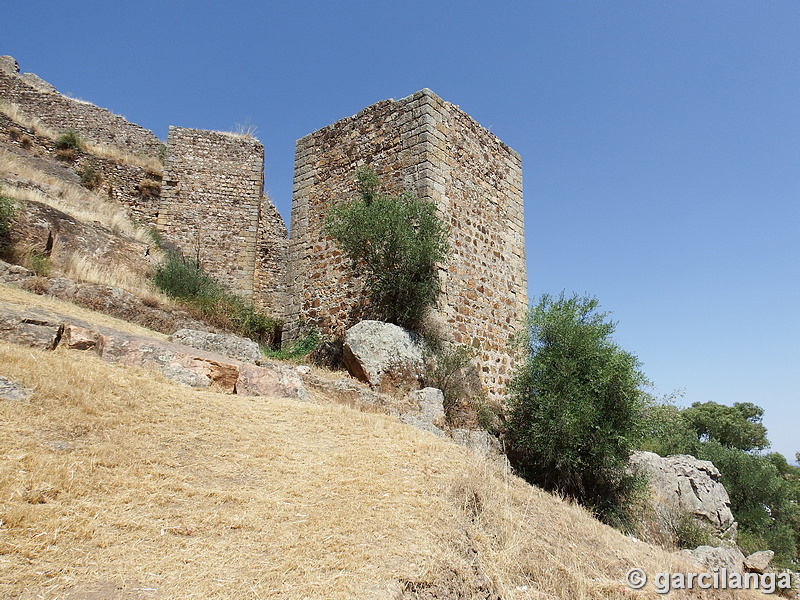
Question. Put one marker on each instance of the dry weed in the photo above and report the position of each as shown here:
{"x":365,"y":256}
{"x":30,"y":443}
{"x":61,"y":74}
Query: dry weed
{"x":80,"y":267}
{"x":72,"y":199}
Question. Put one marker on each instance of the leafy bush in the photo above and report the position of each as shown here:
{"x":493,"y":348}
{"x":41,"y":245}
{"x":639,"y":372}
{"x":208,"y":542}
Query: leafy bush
{"x":6,"y":217}
{"x":183,"y":278}
{"x":395,"y":244}
{"x":575,"y":407}
{"x":69,"y":139}
{"x":665,"y":430}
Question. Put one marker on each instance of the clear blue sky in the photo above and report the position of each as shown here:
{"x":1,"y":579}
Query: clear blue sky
{"x":660,"y":140}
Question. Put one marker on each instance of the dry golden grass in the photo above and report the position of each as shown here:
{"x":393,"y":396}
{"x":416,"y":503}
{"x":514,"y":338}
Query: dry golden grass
{"x":17,"y":297}
{"x":116,"y":484}
{"x":81,"y":267}
{"x":15,"y":113}
{"x":73,"y":199}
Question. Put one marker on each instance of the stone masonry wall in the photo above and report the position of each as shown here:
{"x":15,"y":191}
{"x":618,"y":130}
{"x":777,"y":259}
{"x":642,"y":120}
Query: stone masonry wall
{"x":41,"y":100}
{"x":436,"y":151}
{"x":133,"y":187}
{"x":269,"y":284}
{"x":211,"y":196}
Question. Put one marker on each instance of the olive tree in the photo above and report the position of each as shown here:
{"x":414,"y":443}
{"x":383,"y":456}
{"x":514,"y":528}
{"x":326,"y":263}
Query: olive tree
{"x":575,"y":406}
{"x":394,"y":242}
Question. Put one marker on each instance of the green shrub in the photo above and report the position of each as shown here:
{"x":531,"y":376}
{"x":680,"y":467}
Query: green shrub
{"x":395,"y":243}
{"x":6,"y":217}
{"x":575,"y":407}
{"x":183,"y":279}
{"x":38,"y":263}
{"x":298,"y":349}
{"x":69,"y":139}
{"x":665,"y":430}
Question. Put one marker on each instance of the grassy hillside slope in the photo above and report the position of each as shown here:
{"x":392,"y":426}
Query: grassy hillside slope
{"x":117,"y":484}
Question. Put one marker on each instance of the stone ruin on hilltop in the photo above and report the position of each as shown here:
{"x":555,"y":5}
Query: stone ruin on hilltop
{"x":212,"y":206}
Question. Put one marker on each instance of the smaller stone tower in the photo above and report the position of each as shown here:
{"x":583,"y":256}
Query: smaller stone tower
{"x":211,"y":202}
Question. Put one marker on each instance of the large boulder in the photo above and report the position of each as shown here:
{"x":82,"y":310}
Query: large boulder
{"x":759,"y":562}
{"x":384,"y":355}
{"x":684,"y":485}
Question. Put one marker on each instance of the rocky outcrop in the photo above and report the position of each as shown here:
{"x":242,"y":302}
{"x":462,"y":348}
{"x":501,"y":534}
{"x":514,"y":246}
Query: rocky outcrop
{"x":46,"y":330}
{"x":384,"y":355}
{"x":107,"y":299}
{"x":683,"y":484}
{"x":429,"y":410}
{"x":711,"y":558}
{"x":33,"y":328}
{"x":759,"y":562}
{"x":233,"y":346}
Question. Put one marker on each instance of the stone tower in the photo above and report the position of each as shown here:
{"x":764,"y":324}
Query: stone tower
{"x":435,"y":150}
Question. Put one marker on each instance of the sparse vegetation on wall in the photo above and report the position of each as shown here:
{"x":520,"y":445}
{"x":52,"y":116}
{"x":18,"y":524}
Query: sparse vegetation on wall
{"x":395,"y":243}
{"x":69,"y":139}
{"x":6,"y":215}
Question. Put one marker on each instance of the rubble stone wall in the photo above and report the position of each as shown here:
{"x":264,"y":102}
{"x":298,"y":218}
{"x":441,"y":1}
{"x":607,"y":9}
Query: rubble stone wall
{"x":41,"y":100}
{"x":135,"y":188}
{"x":211,"y":198}
{"x":269,"y":284}
{"x":435,"y":150}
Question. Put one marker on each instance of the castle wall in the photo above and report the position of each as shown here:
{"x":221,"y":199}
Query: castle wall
{"x":122,"y":183}
{"x":269,"y":283}
{"x":211,"y":198}
{"x":436,"y":151}
{"x":41,"y":100}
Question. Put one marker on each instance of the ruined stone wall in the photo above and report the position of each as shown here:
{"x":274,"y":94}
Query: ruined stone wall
{"x":211,"y":196}
{"x":436,"y":151}
{"x":269,"y":283}
{"x":135,"y":188}
{"x":41,"y":100}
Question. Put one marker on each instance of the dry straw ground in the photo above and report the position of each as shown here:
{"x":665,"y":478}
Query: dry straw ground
{"x":117,"y":484}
